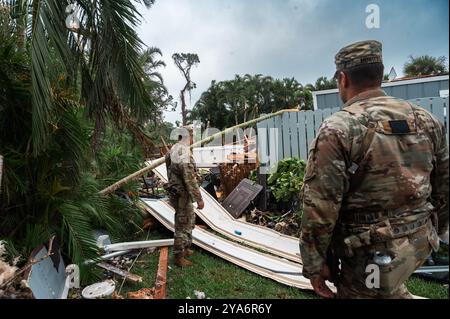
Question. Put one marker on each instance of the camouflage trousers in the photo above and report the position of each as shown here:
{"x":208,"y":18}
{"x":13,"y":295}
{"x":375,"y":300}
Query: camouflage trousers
{"x":184,"y":222}
{"x":409,"y":253}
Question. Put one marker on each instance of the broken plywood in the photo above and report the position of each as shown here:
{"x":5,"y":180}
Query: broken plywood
{"x":241,"y":197}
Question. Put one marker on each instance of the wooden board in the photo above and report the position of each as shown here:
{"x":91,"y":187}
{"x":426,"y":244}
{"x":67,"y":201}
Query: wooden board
{"x":161,"y":275}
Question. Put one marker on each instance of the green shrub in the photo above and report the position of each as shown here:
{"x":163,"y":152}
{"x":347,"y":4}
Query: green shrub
{"x":287,"y":181}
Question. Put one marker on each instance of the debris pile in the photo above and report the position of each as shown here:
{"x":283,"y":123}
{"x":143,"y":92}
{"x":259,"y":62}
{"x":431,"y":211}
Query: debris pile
{"x":232,"y":174}
{"x":288,"y":224}
{"x":144,"y":293}
{"x":11,"y":284}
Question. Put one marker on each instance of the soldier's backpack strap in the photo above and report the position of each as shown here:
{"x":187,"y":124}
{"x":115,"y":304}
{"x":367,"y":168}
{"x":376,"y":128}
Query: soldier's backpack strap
{"x":358,"y":158}
{"x":391,"y":127}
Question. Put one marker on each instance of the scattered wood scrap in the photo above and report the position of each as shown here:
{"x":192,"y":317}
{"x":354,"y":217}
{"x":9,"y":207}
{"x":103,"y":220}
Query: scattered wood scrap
{"x":122,"y":273}
{"x":161,"y":276}
{"x":144,"y":293}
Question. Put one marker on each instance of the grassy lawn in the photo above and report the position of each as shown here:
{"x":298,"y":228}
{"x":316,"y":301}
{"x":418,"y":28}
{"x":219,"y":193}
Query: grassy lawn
{"x":218,"y":278}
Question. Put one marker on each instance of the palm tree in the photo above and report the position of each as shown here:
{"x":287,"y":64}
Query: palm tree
{"x":100,"y":52}
{"x":55,"y":82}
{"x":425,"y":65}
{"x":211,"y":109}
{"x":323,"y":83}
{"x":150,"y":63}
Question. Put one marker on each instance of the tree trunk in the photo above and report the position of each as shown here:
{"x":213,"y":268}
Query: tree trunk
{"x":183,"y":108}
{"x":98,"y":132}
{"x":183,"y":104}
{"x":1,"y":171}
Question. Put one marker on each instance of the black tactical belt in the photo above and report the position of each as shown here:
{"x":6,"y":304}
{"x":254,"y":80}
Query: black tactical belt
{"x":401,"y":230}
{"x":371,"y":217}
{"x":365,"y":217}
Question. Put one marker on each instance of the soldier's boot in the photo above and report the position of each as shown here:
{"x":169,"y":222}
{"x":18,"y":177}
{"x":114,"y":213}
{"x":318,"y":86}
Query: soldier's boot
{"x":188,"y":252}
{"x":180,"y":261}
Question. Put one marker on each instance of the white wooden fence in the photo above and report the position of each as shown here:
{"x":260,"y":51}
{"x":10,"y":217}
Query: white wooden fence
{"x":291,"y":134}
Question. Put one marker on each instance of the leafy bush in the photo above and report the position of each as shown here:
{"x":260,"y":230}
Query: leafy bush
{"x":287,"y":181}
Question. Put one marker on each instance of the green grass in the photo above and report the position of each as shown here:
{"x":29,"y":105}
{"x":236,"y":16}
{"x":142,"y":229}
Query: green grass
{"x":428,"y":289}
{"x":218,"y":278}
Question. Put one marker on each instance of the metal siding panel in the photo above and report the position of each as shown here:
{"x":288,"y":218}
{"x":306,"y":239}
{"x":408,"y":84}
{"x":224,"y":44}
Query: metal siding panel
{"x":286,"y":135}
{"x":310,"y":132}
{"x":329,"y":100}
{"x":321,"y":102}
{"x":293,"y":120}
{"x":335,"y":100}
{"x":431,"y":89}
{"x":399,"y":92}
{"x":303,"y":142}
{"x":389,"y":91}
{"x":437,"y":108}
{"x":414,"y":91}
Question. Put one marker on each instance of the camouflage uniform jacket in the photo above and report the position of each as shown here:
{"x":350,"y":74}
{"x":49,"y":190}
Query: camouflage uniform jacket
{"x":398,"y":173}
{"x":182,"y":173}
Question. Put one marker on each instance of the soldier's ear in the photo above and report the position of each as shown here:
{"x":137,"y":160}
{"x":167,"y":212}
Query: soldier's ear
{"x":343,"y":80}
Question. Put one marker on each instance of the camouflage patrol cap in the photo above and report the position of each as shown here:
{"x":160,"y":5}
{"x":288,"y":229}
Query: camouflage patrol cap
{"x":359,"y":53}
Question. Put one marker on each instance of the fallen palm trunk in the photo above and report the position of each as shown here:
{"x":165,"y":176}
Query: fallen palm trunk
{"x":278,"y":269}
{"x":221,"y":221}
{"x":147,"y":169}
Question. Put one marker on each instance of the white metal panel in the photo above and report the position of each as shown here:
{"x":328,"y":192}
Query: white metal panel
{"x":218,"y":218}
{"x":278,"y":269}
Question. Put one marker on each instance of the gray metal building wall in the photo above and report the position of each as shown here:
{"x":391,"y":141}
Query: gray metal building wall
{"x":424,"y":89}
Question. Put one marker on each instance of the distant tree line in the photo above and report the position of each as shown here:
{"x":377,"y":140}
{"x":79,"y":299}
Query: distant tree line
{"x":228,"y":103}
{"x":244,"y":98}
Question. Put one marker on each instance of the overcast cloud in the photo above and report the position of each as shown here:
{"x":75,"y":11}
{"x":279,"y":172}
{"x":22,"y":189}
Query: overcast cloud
{"x":285,"y":38}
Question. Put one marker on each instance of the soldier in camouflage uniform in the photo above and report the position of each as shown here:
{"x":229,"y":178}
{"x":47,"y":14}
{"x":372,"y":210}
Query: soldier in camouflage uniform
{"x":376,"y":186}
{"x":183,"y":189}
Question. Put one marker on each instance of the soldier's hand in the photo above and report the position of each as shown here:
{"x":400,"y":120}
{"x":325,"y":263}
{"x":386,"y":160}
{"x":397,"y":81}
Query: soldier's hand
{"x":319,"y":284}
{"x":200,"y":204}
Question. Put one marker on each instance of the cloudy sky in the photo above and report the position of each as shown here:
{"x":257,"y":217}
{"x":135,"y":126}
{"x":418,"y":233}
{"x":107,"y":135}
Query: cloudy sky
{"x":286,"y":38}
